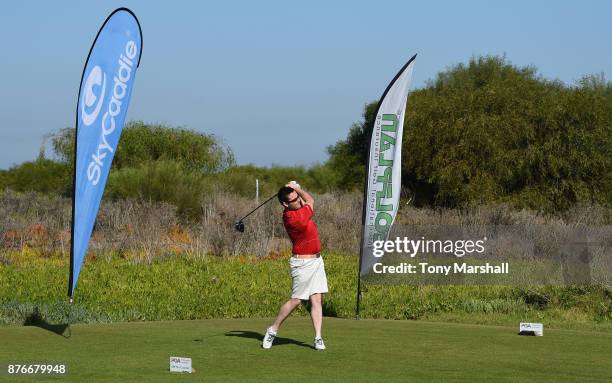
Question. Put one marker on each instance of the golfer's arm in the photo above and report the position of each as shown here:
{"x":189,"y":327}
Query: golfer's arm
{"x":307,"y":198}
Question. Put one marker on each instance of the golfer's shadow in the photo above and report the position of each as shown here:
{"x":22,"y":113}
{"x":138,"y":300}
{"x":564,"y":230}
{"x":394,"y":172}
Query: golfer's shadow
{"x":278,"y":341}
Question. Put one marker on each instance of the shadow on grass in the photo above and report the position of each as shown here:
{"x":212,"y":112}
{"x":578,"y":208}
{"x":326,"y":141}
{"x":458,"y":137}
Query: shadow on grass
{"x":278,"y":341}
{"x":329,"y":310}
{"x":35,"y":319}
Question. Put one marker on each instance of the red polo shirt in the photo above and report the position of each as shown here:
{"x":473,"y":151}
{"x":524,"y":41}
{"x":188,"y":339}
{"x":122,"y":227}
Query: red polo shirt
{"x":302,"y":230}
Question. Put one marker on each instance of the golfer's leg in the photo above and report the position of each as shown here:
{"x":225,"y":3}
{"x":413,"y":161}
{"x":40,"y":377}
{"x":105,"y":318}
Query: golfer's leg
{"x":316,"y":313}
{"x":284,"y":312}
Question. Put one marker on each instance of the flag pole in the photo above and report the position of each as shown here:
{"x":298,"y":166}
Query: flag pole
{"x":73,"y":257}
{"x":363,"y":221}
{"x":366,"y":184}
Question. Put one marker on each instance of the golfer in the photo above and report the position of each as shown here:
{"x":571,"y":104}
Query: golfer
{"x":307,"y":269}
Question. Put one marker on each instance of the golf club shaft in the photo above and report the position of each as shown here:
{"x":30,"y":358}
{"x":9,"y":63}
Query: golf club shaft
{"x":263,"y":203}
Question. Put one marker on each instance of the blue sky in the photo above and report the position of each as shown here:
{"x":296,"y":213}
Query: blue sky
{"x":277,"y":81}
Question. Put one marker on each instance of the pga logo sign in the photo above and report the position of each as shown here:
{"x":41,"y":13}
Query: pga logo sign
{"x":92,"y":102}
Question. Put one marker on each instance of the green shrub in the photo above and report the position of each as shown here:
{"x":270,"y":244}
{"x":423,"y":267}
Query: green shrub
{"x":141,"y":143}
{"x":241,"y":179}
{"x":165,"y":181}
{"x":44,"y":176}
{"x":112,"y":288}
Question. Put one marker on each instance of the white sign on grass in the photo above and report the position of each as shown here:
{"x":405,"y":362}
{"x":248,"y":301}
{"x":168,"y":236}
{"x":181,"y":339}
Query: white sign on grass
{"x":528,"y":328}
{"x":179,"y":364}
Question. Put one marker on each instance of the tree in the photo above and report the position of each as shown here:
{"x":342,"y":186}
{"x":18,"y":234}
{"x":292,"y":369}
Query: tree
{"x":489,"y":131}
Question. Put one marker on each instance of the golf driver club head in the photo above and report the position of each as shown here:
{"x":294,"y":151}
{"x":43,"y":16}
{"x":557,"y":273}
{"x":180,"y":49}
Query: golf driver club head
{"x":239,"y":226}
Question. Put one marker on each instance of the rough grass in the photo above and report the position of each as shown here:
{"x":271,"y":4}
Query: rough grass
{"x":29,"y":221}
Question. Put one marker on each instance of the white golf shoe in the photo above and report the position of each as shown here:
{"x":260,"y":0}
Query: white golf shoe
{"x":318,"y":344}
{"x":268,"y":338}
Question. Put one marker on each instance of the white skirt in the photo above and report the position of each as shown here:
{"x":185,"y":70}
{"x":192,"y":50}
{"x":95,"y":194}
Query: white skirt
{"x":308,"y":276}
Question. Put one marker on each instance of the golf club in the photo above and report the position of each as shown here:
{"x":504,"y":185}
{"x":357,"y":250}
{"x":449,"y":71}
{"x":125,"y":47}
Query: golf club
{"x":239,"y":225}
